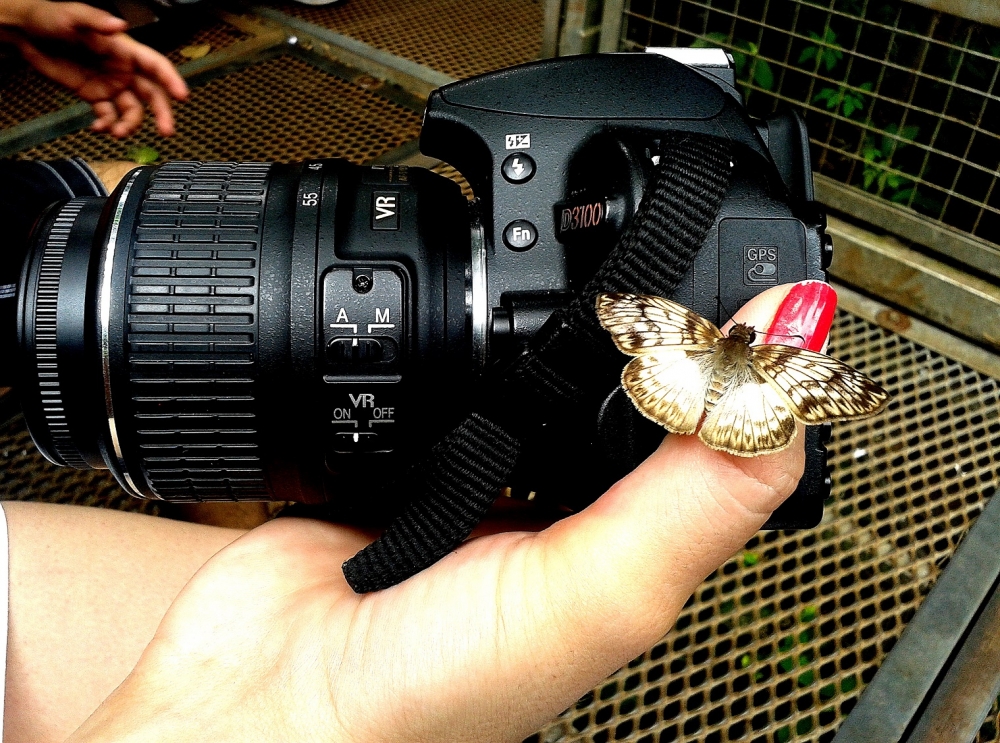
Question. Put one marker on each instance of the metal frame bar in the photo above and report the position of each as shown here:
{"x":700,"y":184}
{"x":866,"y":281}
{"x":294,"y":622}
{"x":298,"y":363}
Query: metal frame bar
{"x":900,"y":700}
{"x":611,"y":26}
{"x":399,"y":71}
{"x":972,"y":10}
{"x":948,"y":241}
{"x":930,"y":288}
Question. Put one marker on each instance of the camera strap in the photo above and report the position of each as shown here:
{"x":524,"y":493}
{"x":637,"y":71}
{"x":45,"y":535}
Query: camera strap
{"x":568,"y":362}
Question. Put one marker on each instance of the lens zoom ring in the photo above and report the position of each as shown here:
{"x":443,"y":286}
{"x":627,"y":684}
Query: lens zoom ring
{"x":50,"y":389}
{"x":192,"y":327}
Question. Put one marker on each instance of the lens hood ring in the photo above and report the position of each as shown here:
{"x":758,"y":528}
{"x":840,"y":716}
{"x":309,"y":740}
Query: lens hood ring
{"x":105,"y":274}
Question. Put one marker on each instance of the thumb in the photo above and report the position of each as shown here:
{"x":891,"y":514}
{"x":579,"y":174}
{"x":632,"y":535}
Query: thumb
{"x":634,"y":556}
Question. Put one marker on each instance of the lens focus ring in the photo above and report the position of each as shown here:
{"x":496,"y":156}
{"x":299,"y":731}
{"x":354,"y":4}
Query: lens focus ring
{"x":191,"y":331}
{"x":51,"y":379}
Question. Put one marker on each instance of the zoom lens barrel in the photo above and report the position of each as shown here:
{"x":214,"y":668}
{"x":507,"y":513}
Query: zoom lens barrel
{"x":233,"y":331}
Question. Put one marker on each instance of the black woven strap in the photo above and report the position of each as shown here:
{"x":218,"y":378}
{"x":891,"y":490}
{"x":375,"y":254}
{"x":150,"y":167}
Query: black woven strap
{"x":566,"y":362}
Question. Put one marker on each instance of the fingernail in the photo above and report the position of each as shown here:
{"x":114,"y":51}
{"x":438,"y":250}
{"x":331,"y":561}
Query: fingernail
{"x":805,"y":316}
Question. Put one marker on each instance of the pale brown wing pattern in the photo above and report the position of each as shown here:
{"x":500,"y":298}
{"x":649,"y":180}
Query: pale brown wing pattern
{"x":639,"y":324}
{"x":669,"y":385}
{"x":750,"y":417}
{"x":818,"y":388}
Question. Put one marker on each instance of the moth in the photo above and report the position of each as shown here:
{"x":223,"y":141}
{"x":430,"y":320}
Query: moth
{"x":685,"y":370}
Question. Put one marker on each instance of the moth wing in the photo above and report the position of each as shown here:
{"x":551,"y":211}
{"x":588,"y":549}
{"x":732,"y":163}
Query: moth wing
{"x":668,"y":386}
{"x":750,"y":417}
{"x":640,"y":323}
{"x":818,"y":388}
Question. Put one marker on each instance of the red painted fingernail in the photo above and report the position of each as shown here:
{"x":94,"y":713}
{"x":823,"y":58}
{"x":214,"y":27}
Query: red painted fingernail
{"x":804,"y":317}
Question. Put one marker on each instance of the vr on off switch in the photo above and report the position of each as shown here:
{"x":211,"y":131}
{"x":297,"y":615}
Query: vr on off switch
{"x":293,"y":331}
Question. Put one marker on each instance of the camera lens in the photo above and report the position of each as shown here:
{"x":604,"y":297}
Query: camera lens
{"x":237,"y":331}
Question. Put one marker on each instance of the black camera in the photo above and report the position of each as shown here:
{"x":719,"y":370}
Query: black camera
{"x":248,"y":331}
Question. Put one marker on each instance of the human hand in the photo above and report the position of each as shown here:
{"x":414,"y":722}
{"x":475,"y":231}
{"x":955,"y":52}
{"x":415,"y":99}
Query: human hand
{"x":268,"y":643}
{"x":87,"y":50}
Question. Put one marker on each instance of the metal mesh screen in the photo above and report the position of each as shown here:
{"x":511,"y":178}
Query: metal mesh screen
{"x":27,"y":475}
{"x":778,"y":644}
{"x":216,"y":35}
{"x":900,"y":100}
{"x":26,"y":94}
{"x":281,"y":110}
{"x":457,"y":37}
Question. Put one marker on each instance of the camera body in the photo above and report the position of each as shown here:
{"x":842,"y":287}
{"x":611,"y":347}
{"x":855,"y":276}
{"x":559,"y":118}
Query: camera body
{"x":559,"y":153}
{"x":220,"y":331}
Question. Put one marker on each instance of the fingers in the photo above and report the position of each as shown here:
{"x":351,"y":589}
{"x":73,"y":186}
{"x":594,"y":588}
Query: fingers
{"x":106,"y":114}
{"x":631,"y":559}
{"x":70,"y":21}
{"x":128,"y":72}
{"x":146,"y":62}
{"x":130,"y":112}
{"x":63,"y":71}
{"x":152,"y":78}
{"x":156,"y":98}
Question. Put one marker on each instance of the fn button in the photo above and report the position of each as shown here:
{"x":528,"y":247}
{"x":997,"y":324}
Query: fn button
{"x":520,"y":235}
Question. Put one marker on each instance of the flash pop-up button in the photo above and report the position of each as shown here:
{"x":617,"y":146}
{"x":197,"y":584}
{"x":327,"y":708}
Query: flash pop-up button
{"x":518,"y":168}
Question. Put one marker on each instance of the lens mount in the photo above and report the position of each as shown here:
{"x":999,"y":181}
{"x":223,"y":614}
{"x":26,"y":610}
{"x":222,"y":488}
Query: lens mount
{"x":477,"y":295}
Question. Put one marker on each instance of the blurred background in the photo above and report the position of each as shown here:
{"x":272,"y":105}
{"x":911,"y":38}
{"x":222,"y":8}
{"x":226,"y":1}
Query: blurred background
{"x":903,"y":109}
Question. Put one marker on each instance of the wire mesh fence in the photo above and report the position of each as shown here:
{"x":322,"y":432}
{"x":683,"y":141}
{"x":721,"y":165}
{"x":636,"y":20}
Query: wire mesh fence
{"x":901,"y":101}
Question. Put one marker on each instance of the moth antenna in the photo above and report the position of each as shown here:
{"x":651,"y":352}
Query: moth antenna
{"x":729,"y":315}
{"x":783,"y":335}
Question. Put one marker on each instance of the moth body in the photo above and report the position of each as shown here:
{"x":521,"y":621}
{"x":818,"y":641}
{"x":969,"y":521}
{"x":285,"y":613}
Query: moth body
{"x":731,"y":363}
{"x":739,"y":398}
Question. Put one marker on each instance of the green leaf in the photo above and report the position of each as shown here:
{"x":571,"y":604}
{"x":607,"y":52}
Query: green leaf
{"x":828,"y":691}
{"x":745,"y":661}
{"x":739,"y":62}
{"x":763,"y":74}
{"x":869,"y":177}
{"x":825,"y":94}
{"x":806,"y":678}
{"x":750,"y":559}
{"x":903,"y":196}
{"x":849,"y":683}
{"x":808,"y":53}
{"x":786,"y":644}
{"x":783,"y":734}
{"x":871,"y":154}
{"x":144,"y":155}
{"x":808,"y":614}
{"x":787,"y":664}
{"x":715,"y":38}
{"x":727,"y":606}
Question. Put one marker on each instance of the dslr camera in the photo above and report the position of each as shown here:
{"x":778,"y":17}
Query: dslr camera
{"x":298,"y":332}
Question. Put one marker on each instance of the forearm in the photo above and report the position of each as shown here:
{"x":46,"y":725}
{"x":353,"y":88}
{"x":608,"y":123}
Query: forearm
{"x":14,"y":13}
{"x":88,"y":588}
